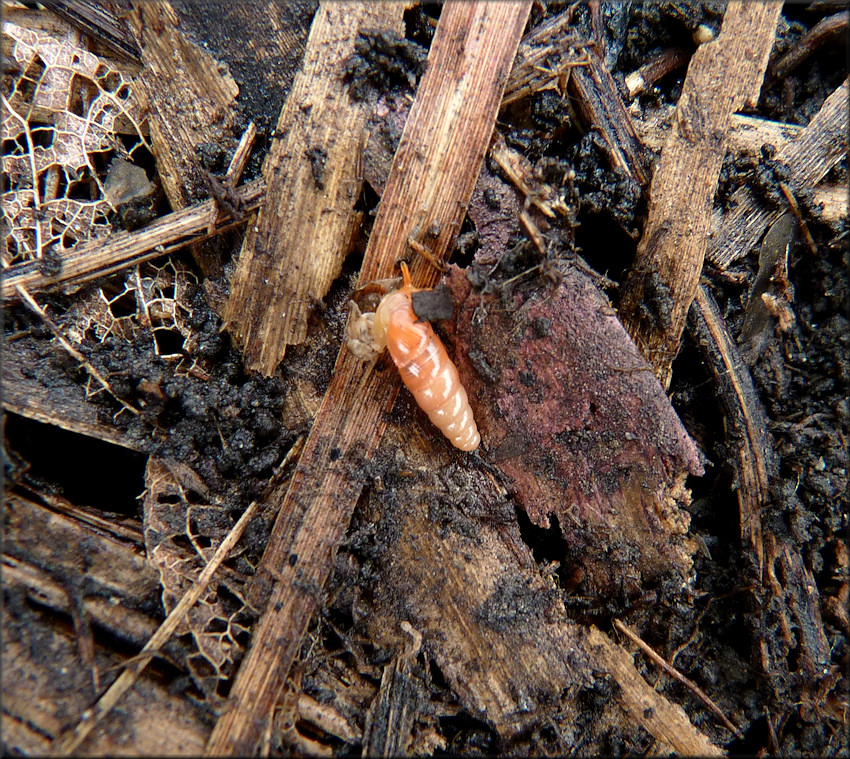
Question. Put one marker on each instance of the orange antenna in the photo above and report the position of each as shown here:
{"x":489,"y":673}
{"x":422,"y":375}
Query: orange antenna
{"x":405,"y":272}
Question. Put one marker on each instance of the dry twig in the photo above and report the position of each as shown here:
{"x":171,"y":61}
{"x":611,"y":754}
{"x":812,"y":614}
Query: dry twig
{"x":831,"y":27}
{"x":122,"y":250}
{"x":665,"y":721}
{"x":777,"y":568}
{"x":673,"y":672}
{"x":655,"y":69}
{"x":723,"y":76}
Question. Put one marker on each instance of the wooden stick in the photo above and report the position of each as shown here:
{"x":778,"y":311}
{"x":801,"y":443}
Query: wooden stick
{"x":656,"y":68}
{"x":121,"y":250}
{"x":72,"y":739}
{"x":68,"y":743}
{"x":673,"y":672}
{"x":831,"y":27}
{"x":665,"y":721}
{"x":809,"y":157}
{"x":430,"y":183}
{"x":723,"y":76}
{"x":745,"y":420}
{"x":777,"y":570}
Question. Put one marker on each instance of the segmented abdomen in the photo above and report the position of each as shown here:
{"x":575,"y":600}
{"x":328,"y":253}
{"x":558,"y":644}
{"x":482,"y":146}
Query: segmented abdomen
{"x":429,"y":374}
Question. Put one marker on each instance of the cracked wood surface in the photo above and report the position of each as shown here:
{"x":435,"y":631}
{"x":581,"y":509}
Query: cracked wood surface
{"x":296,"y":248}
{"x":809,"y":157}
{"x":723,"y":76}
{"x":190,"y":101}
{"x":429,"y":187}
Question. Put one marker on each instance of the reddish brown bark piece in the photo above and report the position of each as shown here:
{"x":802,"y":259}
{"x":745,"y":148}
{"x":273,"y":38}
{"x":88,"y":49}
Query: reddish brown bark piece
{"x":573,"y":414}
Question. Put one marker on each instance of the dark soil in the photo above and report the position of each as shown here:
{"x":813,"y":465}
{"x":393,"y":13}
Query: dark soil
{"x":234,"y":430}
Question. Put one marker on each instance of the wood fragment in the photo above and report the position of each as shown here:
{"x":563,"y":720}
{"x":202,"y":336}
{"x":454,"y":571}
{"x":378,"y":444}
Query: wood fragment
{"x":544,"y":58}
{"x":240,"y":156}
{"x":832,"y":200}
{"x":113,"y":566}
{"x":723,"y":76}
{"x":747,"y":134}
{"x":809,"y":157}
{"x":432,"y":178}
{"x":673,"y":672}
{"x":295,"y":250}
{"x":604,"y":453}
{"x":190,"y":99}
{"x":46,"y":547}
{"x":100,"y":22}
{"x":61,"y":403}
{"x":665,"y":721}
{"x":325,"y":717}
{"x":458,"y":571}
{"x":776,"y":568}
{"x":69,"y":741}
{"x":599,"y":100}
{"x":41,"y":685}
{"x":656,"y":68}
{"x":745,"y":420}
{"x":400,"y":699}
{"x":121,"y":250}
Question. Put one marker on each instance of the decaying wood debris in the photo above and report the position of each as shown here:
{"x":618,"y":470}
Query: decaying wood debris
{"x":295,"y":250}
{"x":322,"y":572}
{"x":721,"y":79}
{"x":809,"y":158}
{"x":432,"y":178}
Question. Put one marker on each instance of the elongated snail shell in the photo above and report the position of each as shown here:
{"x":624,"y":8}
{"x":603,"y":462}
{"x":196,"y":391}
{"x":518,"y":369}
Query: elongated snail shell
{"x":424,"y":366}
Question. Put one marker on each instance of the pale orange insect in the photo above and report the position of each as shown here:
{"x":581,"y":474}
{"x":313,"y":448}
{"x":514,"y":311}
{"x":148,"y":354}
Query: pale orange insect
{"x":422,"y":362}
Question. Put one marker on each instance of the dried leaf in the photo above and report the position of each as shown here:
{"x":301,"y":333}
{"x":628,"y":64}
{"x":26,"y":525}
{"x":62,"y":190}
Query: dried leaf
{"x":182,"y":531}
{"x":152,"y":302}
{"x":62,"y":106}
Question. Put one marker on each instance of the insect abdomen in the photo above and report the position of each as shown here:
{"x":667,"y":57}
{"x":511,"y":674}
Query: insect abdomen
{"x":429,"y":374}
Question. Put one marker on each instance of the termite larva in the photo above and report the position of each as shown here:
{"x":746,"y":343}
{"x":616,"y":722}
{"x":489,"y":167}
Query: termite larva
{"x":422,"y":361}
